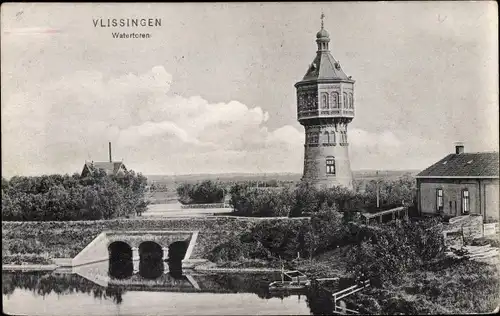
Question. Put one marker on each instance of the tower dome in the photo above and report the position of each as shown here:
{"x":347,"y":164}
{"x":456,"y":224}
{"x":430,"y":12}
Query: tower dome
{"x":322,"y":34}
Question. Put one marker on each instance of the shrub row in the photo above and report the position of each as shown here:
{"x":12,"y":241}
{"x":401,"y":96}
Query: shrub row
{"x":63,"y":197}
{"x":205,"y":192}
{"x":305,"y":199}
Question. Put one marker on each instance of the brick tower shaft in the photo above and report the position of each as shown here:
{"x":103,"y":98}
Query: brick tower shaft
{"x":325,"y":107}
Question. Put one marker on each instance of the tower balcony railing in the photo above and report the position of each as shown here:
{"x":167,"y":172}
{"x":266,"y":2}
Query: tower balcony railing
{"x":326,"y":113}
{"x":325,"y":144}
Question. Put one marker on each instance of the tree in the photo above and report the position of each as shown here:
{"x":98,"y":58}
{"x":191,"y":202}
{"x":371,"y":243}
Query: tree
{"x":201,"y":193}
{"x":64,"y":197}
{"x":327,"y":230}
{"x":385,"y":253}
{"x":392,"y":192}
{"x":306,"y":200}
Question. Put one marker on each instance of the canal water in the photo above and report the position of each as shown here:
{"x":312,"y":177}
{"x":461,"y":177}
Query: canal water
{"x":104,"y":289}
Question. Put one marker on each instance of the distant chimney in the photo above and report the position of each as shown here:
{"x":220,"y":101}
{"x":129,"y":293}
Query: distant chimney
{"x":459,"y":148}
{"x":110,"y":159}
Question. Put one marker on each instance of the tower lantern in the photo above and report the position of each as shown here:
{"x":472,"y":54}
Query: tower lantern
{"x":325,"y":107}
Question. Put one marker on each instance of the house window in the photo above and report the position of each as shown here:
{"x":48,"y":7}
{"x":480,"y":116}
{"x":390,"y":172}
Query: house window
{"x":335,"y":99}
{"x":324,"y":100}
{"x":333,"y":138}
{"x":330,"y":165}
{"x":345,"y":100}
{"x":465,"y":201}
{"x":439,"y":199}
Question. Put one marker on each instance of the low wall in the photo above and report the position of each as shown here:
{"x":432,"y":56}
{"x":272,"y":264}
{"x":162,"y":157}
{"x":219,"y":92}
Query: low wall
{"x":467,"y":227}
{"x":212,"y":205}
{"x":67,"y":239}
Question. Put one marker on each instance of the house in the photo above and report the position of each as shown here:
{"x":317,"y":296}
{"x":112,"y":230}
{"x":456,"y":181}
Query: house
{"x":461,"y":184}
{"x":111,"y":167}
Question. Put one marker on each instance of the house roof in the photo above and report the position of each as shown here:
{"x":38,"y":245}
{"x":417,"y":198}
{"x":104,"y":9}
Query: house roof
{"x":465,"y":165}
{"x":109,"y":167}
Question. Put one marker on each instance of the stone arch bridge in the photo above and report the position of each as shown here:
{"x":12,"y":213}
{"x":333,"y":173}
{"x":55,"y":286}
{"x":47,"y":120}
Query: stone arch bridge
{"x":137,"y":245}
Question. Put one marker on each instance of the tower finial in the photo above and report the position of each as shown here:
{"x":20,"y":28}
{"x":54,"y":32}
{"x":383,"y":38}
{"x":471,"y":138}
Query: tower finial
{"x":322,"y":17}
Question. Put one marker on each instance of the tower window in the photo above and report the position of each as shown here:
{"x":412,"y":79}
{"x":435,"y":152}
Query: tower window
{"x":335,"y":99}
{"x":330,"y":165}
{"x":327,"y":137}
{"x":324,"y":100}
{"x":465,"y":201}
{"x":333,"y":137}
{"x":345,"y":100}
{"x":439,"y":199}
{"x":351,"y":101}
{"x":313,"y":138}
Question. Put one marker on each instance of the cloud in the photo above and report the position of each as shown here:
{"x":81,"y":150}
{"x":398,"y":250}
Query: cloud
{"x":60,"y":124}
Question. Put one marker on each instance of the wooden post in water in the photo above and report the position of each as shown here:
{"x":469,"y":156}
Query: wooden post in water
{"x":378,"y":193}
{"x":282,"y":271}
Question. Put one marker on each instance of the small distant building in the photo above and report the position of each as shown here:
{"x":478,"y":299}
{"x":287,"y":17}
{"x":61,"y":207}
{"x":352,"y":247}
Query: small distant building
{"x":110,"y":167}
{"x":461,"y":184}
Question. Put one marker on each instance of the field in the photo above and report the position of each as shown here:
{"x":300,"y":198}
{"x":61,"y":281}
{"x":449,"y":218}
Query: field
{"x":173,"y":180}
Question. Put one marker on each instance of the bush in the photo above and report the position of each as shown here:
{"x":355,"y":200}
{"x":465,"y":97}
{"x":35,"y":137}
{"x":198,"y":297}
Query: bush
{"x":305,"y":199}
{"x":19,"y":259}
{"x":283,"y":239}
{"x":327,"y":230}
{"x":237,"y":250}
{"x":64,"y":197}
{"x":387,"y":253}
{"x":267,"y":240}
{"x":251,"y":201}
{"x":391,"y":192}
{"x":205,"y":192}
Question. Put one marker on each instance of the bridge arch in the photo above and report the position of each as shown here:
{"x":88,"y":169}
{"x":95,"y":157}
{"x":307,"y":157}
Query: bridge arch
{"x":150,"y":250}
{"x":177,"y":250}
{"x":120,"y":260}
{"x":120,"y":250}
{"x":151,"y":265}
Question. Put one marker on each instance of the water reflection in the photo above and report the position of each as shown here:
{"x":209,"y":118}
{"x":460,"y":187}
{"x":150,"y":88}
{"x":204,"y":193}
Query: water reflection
{"x":151,"y":269}
{"x":121,"y":270}
{"x":151,"y":264}
{"x":176,"y":252}
{"x":112,"y":282}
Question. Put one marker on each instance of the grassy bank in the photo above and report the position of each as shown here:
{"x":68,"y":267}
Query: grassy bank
{"x":38,"y":242}
{"x":453,"y":287}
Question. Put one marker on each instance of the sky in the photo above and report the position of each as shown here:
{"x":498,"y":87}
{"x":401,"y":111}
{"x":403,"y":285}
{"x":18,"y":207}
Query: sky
{"x":212,"y":89}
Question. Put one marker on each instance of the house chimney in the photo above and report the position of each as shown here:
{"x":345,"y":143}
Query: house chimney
{"x":110,"y":160}
{"x":459,"y":148}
